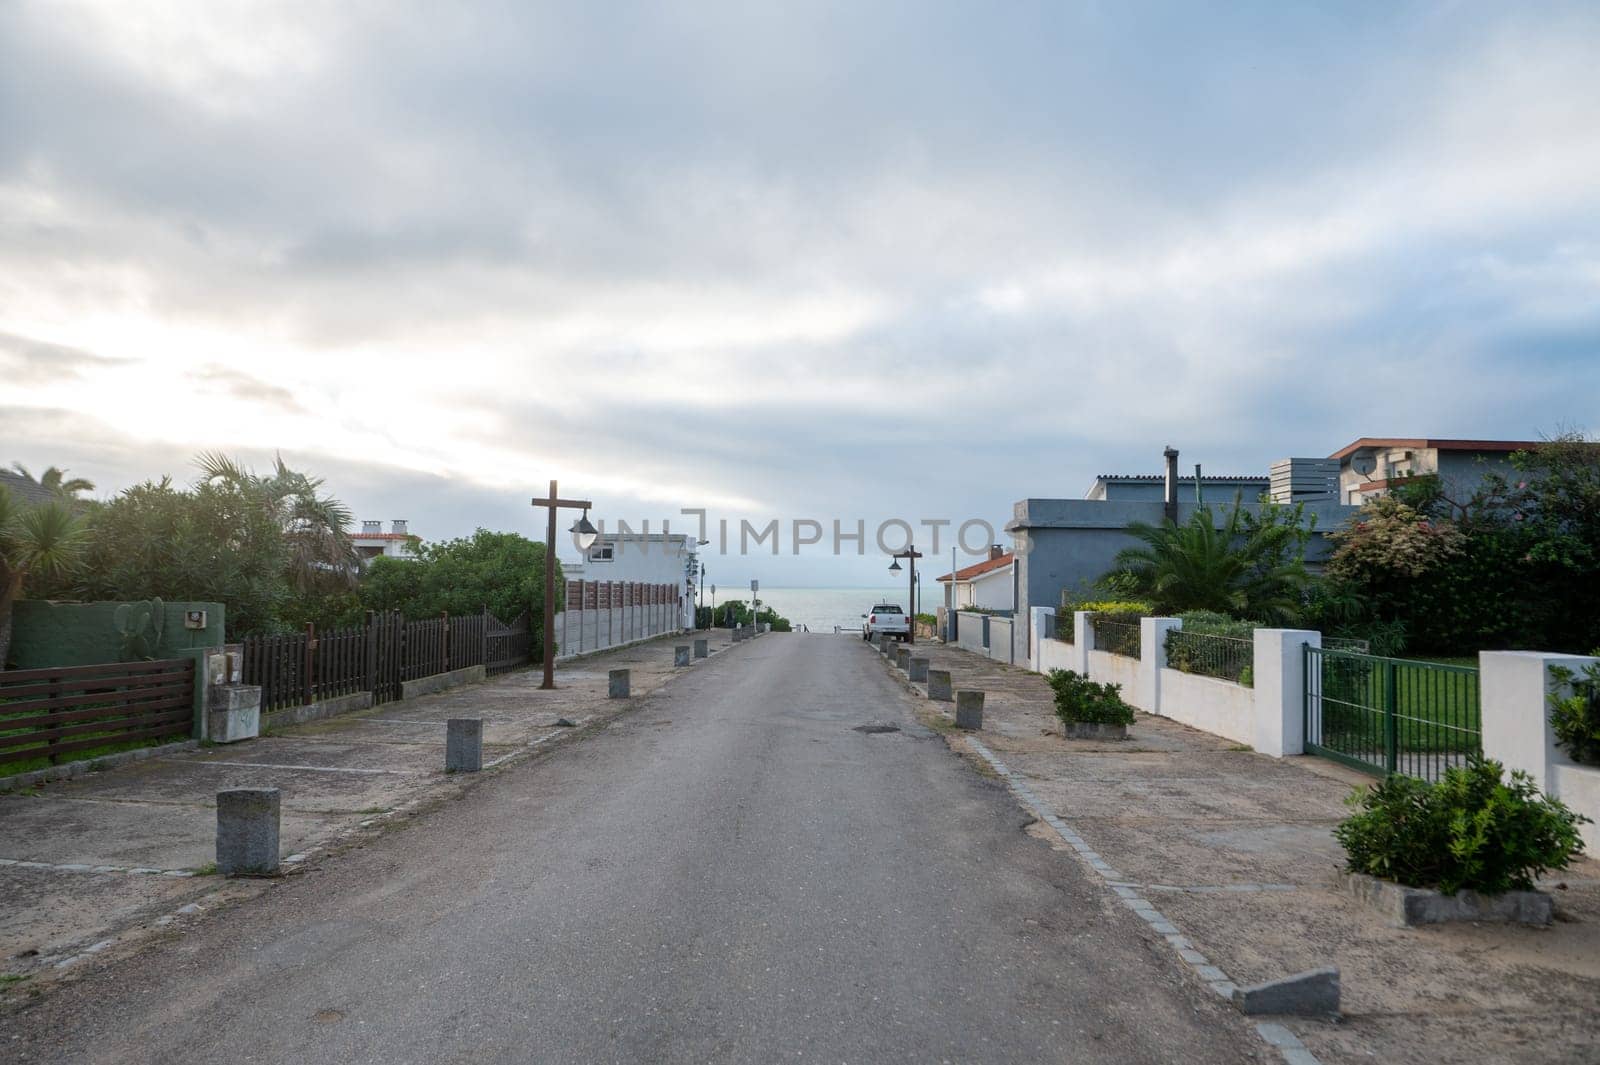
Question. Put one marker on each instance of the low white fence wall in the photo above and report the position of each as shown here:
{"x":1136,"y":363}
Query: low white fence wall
{"x":1001,"y":645}
{"x":972,"y":631}
{"x":1108,"y":668}
{"x":1210,"y":704}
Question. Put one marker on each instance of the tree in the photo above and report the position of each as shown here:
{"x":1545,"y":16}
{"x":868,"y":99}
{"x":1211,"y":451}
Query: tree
{"x":40,"y":541}
{"x":56,"y":480}
{"x":499,"y":570}
{"x":1251,"y":566}
{"x":321,"y":557}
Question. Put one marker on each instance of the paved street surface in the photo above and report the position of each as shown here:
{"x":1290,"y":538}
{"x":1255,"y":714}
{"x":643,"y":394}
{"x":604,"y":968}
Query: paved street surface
{"x":729,"y":873}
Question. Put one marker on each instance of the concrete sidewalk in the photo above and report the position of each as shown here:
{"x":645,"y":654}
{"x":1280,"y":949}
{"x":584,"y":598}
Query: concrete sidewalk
{"x":1236,"y":849}
{"x":92,"y":864}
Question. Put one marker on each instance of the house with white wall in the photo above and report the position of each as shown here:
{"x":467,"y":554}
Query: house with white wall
{"x":986,"y":585}
{"x":1371,"y":466}
{"x":372,"y":542}
{"x":643,"y":558}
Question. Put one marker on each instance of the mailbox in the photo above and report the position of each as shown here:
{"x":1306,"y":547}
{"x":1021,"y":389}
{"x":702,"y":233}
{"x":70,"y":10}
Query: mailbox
{"x":194,"y":619}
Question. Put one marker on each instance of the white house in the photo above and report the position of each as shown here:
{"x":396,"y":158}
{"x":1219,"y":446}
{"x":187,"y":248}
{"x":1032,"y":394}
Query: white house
{"x":645,"y":558}
{"x":986,"y":585}
{"x":372,"y":542}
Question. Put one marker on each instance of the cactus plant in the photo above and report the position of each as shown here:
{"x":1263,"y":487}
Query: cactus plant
{"x":140,"y":625}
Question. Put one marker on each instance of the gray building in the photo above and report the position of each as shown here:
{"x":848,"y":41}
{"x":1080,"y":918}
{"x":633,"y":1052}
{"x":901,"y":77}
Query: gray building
{"x":1071,"y":543}
{"x":1372,"y":465}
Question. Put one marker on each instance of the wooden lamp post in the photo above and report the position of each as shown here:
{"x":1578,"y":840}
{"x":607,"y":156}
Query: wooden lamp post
{"x":911,"y":554}
{"x":585,"y":534}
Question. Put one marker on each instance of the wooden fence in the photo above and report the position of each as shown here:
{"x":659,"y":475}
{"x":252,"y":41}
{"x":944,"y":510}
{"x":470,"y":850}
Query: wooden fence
{"x":378,"y":655}
{"x":46,"y":714}
{"x":601,"y":614}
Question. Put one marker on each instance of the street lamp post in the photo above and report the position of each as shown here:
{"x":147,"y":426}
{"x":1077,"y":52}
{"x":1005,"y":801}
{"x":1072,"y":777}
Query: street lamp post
{"x":585,"y":534}
{"x":911,"y":554}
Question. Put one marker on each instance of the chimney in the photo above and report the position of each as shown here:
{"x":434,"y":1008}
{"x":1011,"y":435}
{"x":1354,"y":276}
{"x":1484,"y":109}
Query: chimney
{"x":995,"y":551}
{"x":399,"y":526}
{"x":371,"y":528}
{"x":1171,"y":500}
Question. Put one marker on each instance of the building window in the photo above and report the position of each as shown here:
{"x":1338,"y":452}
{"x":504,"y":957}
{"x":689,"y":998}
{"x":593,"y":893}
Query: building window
{"x":602,"y":553}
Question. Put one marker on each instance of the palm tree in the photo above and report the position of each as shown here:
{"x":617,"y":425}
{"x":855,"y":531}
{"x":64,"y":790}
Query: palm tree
{"x":314,"y":525}
{"x":1249,"y":568}
{"x":55,"y":479}
{"x":42,"y":541}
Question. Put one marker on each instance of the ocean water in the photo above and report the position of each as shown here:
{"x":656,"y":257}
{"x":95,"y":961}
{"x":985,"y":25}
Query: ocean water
{"x":822,"y":608}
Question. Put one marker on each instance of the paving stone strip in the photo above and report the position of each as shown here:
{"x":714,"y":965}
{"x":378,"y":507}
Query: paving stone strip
{"x":1286,"y":1042}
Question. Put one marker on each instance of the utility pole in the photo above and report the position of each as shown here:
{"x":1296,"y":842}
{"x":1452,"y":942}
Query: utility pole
{"x":586,"y":534}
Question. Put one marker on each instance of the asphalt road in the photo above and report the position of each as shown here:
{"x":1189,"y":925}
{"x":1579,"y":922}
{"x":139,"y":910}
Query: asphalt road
{"x":729,"y":873}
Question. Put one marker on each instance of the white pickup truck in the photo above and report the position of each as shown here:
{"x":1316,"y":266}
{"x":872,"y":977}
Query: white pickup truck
{"x":888,"y":619}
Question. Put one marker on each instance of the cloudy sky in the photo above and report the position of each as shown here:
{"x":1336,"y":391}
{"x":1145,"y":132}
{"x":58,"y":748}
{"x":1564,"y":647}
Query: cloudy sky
{"x":786,"y":260}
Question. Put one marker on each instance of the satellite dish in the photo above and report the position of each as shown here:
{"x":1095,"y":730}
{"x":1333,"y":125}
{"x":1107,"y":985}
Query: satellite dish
{"x":1364,"y":464}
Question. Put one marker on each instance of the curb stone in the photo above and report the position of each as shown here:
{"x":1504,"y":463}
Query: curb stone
{"x":1294,"y":1052}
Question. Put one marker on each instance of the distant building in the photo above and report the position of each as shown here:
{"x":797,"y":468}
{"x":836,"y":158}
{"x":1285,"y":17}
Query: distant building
{"x":27,"y":491}
{"x":1371,"y":466}
{"x":372,"y":542}
{"x":987,"y":585}
{"x":1145,"y":487}
{"x":645,"y":558}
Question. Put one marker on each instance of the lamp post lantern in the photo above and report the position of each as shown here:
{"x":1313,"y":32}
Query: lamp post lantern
{"x":585,"y":534}
{"x":911,"y":554}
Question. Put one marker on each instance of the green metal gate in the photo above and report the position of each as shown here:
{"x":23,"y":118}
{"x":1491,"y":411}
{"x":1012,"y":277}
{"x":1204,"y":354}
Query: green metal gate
{"x":1390,"y":715}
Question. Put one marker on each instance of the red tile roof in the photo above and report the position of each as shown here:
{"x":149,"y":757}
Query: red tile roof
{"x":988,"y":565}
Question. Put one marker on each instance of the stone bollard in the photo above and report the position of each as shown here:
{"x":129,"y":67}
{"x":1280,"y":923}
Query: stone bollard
{"x":701,"y":649}
{"x":618,"y":684}
{"x":917,"y":669}
{"x":969,"y":709}
{"x":738,"y":634}
{"x":902,"y":657}
{"x":939,"y":685}
{"x":247,"y":832}
{"x":680,"y":655}
{"x":887,"y":649}
{"x":876,"y":640}
{"x":463,"y":745}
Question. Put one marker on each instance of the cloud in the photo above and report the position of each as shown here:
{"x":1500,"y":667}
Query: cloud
{"x":916,"y":258}
{"x":29,"y":361}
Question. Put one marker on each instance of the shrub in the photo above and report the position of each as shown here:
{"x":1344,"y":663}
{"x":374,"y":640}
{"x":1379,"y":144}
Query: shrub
{"x":1470,"y":830}
{"x":1079,"y":699}
{"x":1211,"y":623}
{"x":1135,"y":607}
{"x":1575,"y":717}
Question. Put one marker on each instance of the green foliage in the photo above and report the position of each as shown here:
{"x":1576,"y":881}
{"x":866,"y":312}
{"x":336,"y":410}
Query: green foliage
{"x":1188,"y":649}
{"x":214,"y":543}
{"x":501,"y":571}
{"x":1575,"y":714}
{"x":1472,"y":829}
{"x":139,"y":625}
{"x":1514,"y":565}
{"x":38,"y":545}
{"x":1211,"y":623}
{"x":733,"y":613}
{"x":1248,"y":565}
{"x":1081,"y":700}
{"x":1136,"y":607}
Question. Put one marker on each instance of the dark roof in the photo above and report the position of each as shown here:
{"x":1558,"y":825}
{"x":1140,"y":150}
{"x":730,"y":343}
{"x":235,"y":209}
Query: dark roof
{"x":26,"y":490}
{"x":1182,"y":477}
{"x":1439,"y":445}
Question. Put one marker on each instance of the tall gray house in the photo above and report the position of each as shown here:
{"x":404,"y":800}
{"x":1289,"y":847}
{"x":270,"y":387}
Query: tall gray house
{"x":1070,"y":543}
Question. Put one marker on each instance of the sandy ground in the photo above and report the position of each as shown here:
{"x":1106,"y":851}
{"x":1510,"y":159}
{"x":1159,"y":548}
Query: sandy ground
{"x":1237,"y":849}
{"x":112,"y":856}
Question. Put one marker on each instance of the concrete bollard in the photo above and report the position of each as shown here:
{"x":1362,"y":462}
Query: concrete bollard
{"x":877,"y":640}
{"x":939,"y":685}
{"x":902,"y":657}
{"x":701,"y":649}
{"x":247,"y":832}
{"x":917,"y":669}
{"x":738,"y":634}
{"x":680,"y":656}
{"x":887,"y":649}
{"x":463,"y":745}
{"x":618,"y":684}
{"x":969,"y":709}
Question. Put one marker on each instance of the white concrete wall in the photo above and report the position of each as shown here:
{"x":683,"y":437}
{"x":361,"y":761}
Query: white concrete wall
{"x":1002,"y":646}
{"x":1210,"y":704}
{"x":1058,"y":654}
{"x":1514,"y":691}
{"x":1107,"y":668}
{"x":994,"y":590}
{"x":582,"y":631}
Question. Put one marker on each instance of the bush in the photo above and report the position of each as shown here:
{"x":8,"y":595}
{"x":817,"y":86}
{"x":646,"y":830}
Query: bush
{"x":1210,"y":623}
{"x":1470,"y":830}
{"x":1079,"y":699}
{"x":1575,"y":717}
{"x":1135,"y":607}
